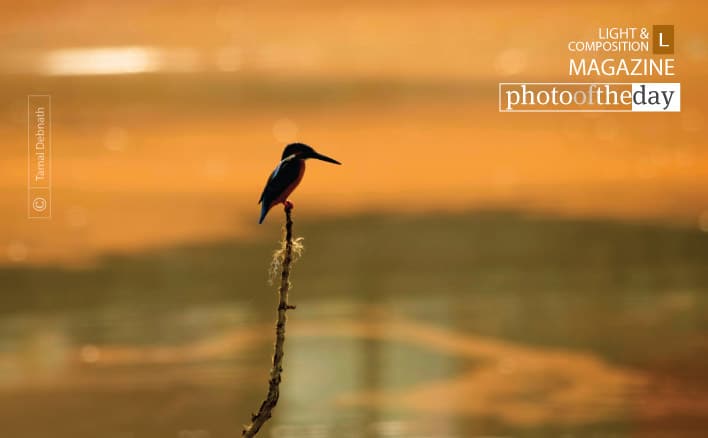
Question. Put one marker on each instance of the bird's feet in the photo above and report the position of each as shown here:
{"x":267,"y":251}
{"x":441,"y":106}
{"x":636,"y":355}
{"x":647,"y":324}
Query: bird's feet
{"x":288,"y":205}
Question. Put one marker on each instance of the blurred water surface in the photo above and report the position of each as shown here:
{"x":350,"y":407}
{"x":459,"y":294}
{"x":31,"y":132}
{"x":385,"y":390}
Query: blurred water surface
{"x":486,"y":324}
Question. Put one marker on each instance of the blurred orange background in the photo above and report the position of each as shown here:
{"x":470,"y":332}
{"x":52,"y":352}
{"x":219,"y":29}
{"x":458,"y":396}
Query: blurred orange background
{"x":177,"y":148}
{"x":468,"y":272}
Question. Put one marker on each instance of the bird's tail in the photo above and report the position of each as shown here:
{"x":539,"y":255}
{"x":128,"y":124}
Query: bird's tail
{"x":264,"y":212}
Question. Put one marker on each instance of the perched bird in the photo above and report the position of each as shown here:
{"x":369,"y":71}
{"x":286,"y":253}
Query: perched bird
{"x":287,"y":175}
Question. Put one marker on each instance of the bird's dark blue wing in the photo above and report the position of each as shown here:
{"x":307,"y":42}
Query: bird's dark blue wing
{"x":273,"y":174}
{"x":287,"y":172}
{"x":266,"y":186}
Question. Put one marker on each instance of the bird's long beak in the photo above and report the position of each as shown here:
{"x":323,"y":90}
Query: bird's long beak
{"x":324,"y":158}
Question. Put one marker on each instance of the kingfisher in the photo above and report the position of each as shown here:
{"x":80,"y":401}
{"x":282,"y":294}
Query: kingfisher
{"x":287,"y":175}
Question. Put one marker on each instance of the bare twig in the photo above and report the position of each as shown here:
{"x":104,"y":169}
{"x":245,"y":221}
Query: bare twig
{"x":271,"y":400}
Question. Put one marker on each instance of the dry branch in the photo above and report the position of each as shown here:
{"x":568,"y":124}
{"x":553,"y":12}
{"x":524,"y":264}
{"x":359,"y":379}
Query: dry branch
{"x":271,"y":400}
